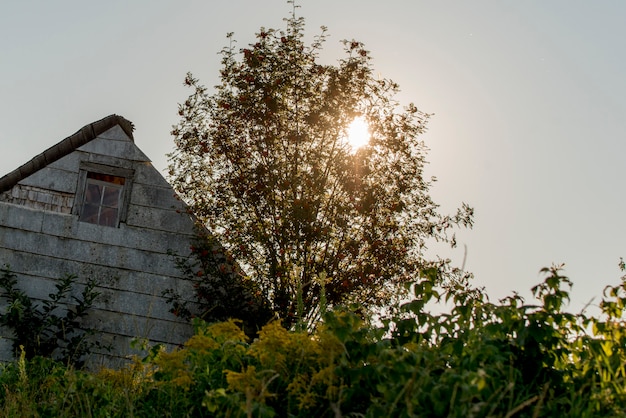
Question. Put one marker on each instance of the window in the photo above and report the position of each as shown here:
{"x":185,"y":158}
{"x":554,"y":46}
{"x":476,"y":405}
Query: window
{"x":103,"y":193}
{"x":102,"y":199}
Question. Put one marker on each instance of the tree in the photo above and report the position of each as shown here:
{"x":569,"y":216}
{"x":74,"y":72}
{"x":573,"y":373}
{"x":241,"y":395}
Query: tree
{"x":264,"y":163}
{"x":221,"y":290}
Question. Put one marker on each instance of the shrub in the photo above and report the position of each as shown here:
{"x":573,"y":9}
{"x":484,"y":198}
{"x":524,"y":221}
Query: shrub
{"x":53,"y":327}
{"x":505,"y":359}
{"x":480,"y":359}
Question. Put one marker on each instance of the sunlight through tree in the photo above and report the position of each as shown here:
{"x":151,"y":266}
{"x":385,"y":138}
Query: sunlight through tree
{"x":264,"y":164}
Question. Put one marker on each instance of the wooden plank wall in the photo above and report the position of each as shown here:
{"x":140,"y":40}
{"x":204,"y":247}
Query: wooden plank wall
{"x":131,"y":263}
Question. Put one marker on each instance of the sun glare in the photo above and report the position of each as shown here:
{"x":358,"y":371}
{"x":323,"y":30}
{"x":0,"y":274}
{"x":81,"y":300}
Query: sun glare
{"x":358,"y":133}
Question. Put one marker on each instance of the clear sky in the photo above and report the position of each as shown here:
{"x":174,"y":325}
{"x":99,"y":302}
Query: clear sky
{"x":529,"y":101}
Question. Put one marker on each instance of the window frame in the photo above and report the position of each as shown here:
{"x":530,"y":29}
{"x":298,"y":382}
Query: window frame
{"x":89,"y":167}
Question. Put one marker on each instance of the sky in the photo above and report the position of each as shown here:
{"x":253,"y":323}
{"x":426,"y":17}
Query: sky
{"x":528,"y":100}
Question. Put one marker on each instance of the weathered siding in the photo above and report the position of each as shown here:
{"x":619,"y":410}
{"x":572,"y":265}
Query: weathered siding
{"x":38,"y":198}
{"x":43,"y":240}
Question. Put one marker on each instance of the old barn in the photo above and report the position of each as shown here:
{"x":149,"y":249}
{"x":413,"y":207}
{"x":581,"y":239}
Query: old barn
{"x":94,"y":206}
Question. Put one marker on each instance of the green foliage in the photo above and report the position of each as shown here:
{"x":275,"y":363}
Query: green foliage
{"x":53,"y":327}
{"x":42,"y":387}
{"x":221,"y":290}
{"x":264,"y":164}
{"x":480,"y":359}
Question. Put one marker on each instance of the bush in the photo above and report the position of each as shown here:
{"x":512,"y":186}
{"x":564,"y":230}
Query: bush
{"x":479,"y":359}
{"x":53,"y":328}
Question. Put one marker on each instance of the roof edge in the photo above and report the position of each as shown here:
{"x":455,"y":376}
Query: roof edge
{"x":65,"y":147}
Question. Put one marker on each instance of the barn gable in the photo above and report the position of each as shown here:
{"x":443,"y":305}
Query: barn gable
{"x":93,"y":205}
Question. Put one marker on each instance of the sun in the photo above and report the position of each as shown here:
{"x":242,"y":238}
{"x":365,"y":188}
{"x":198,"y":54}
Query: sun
{"x":358,"y":133}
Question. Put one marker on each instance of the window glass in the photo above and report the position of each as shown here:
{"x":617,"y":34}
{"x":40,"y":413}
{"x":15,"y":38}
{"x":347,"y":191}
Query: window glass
{"x":93,"y":193}
{"x":108,"y":216}
{"x":89,"y":213}
{"x":101,"y":202}
{"x":111,"y":196}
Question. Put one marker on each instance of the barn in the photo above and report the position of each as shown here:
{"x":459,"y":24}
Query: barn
{"x":94,"y":206}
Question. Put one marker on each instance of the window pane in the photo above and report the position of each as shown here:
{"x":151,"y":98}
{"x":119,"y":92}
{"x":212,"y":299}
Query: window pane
{"x":93,"y":194}
{"x":108,"y":217}
{"x":89,"y":213}
{"x":111,"y":197}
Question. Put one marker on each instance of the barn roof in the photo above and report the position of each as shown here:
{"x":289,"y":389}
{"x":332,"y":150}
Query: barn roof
{"x":66,"y":146}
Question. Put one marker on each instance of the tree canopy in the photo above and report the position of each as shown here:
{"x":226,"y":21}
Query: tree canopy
{"x":264,"y":163}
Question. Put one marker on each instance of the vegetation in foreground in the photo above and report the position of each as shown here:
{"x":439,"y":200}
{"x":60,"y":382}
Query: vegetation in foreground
{"x":506,"y":359}
{"x":53,"y":327}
